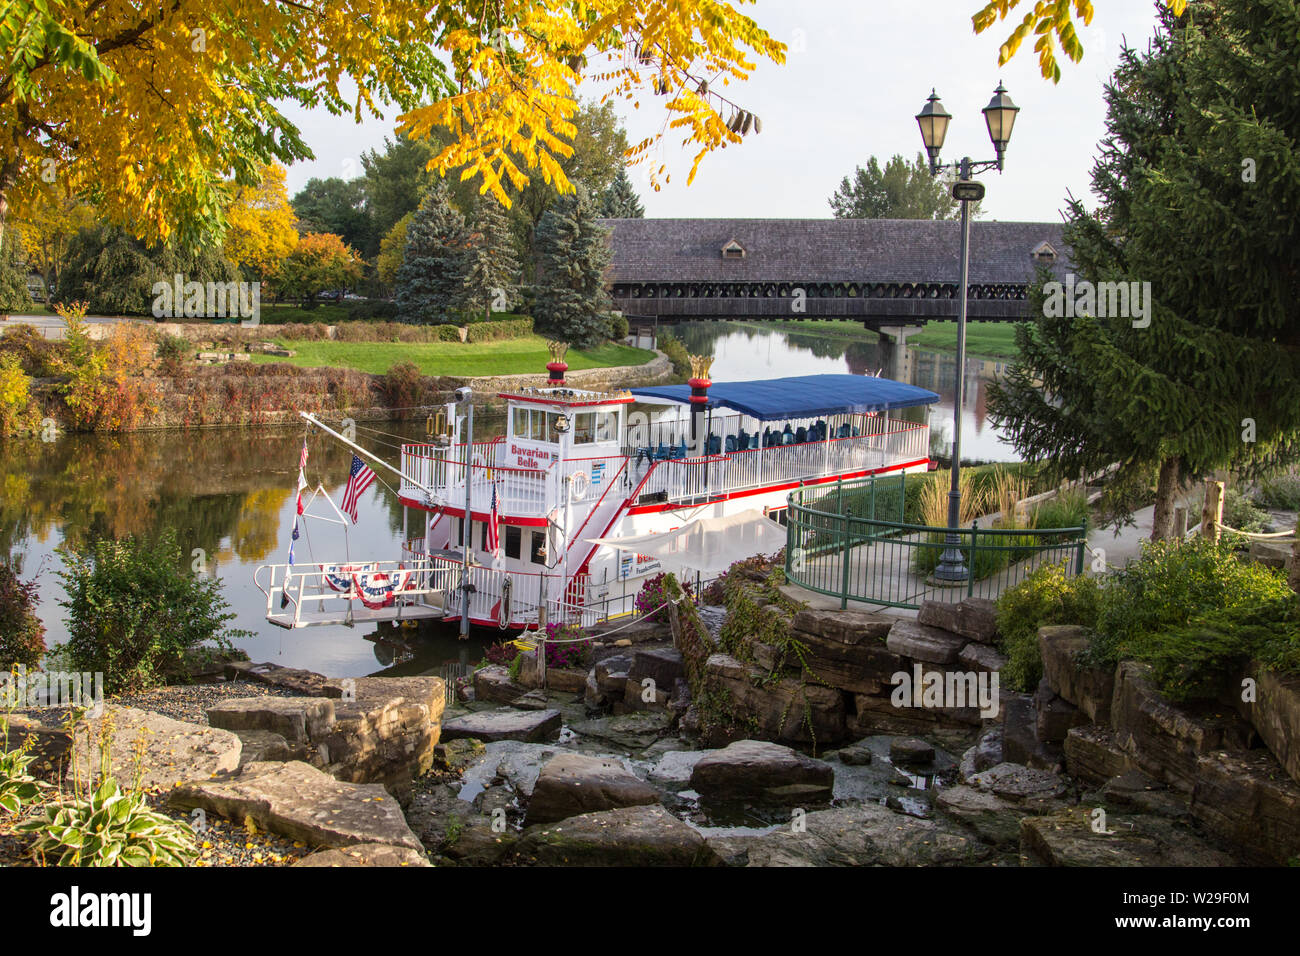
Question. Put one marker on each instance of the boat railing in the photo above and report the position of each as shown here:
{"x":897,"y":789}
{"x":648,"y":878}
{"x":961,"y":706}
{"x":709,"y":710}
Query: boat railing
{"x":520,"y":491}
{"x":882,"y":445}
{"x":335,"y":590}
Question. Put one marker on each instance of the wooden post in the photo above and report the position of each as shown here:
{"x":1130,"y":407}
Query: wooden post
{"x":1180,"y":522}
{"x":1212,"y":510}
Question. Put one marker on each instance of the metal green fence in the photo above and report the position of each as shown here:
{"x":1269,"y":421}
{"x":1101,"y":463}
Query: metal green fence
{"x":850,"y":541}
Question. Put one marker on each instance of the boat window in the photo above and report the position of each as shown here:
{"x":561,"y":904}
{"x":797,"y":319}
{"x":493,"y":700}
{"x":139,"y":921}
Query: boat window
{"x":584,"y":427}
{"x":537,"y":430}
{"x":514,"y":537}
{"x":606,"y":426}
{"x":539,"y":542}
{"x":520,"y":429}
{"x":552,"y":433}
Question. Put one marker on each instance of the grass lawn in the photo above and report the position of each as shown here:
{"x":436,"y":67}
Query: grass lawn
{"x":990,"y":339}
{"x":508,"y":357}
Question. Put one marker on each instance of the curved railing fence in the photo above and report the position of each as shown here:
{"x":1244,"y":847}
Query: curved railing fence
{"x":850,"y":541}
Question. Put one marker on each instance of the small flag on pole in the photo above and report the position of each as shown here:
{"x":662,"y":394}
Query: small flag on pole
{"x":360,"y":477}
{"x":493,"y":526}
{"x":302,"y":486}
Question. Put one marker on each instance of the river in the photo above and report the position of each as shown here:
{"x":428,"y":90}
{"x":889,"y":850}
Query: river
{"x":228,"y":493}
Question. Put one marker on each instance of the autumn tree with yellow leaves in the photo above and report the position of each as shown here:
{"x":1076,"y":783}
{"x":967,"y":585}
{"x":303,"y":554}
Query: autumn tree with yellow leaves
{"x":149,"y":109}
{"x":260,"y":231}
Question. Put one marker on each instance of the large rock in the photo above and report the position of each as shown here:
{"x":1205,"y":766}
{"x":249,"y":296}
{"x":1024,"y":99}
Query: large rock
{"x":923,"y":643}
{"x":1069,"y":839}
{"x":973,"y":618}
{"x":302,"y":803}
{"x":994,"y":820}
{"x":505,"y":724}
{"x":1166,"y":740}
{"x":1020,"y":743}
{"x":632,"y":731}
{"x":301,"y":682}
{"x":986,"y":753}
{"x":758,"y":770}
{"x":1020,"y":785}
{"x":298,"y":720}
{"x":384,"y":731}
{"x":1092,"y":754}
{"x":173,"y":750}
{"x":1087,"y":687}
{"x":1054,"y":715}
{"x":866,"y":835}
{"x":1275,"y":715}
{"x":366,"y":854}
{"x":785,"y":709}
{"x":663,"y":665}
{"x":572,"y":784}
{"x":493,"y":684}
{"x":1248,"y":800}
{"x":630,"y":836}
{"x":851,"y":627}
{"x":981,"y":657}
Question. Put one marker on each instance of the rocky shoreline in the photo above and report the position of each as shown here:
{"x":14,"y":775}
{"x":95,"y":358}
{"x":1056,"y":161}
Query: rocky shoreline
{"x":620,"y":764}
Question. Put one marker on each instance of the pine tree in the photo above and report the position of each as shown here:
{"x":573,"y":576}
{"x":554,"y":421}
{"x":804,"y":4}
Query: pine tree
{"x":1200,"y":189}
{"x":492,"y":268}
{"x":430,"y":281}
{"x":619,"y":200}
{"x":573,"y":255}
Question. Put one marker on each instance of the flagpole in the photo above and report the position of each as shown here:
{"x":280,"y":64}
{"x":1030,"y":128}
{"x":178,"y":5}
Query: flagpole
{"x":371,"y":455}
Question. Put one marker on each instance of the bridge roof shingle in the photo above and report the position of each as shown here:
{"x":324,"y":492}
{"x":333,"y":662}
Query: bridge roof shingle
{"x":826,"y":250}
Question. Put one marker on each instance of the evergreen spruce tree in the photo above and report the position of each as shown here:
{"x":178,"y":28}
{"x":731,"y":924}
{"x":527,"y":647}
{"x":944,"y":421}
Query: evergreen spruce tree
{"x":431,"y":279}
{"x":491,"y":266}
{"x":619,"y":200}
{"x":572,"y":258}
{"x":1200,"y":189}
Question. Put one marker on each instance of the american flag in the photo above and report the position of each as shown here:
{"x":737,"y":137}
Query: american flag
{"x":359,"y":479}
{"x":493,"y":529}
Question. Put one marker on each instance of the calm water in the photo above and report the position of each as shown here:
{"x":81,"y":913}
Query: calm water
{"x":230,"y":494}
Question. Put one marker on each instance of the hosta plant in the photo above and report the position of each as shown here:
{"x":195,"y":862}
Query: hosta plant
{"x":110,"y":828}
{"x":18,"y":788}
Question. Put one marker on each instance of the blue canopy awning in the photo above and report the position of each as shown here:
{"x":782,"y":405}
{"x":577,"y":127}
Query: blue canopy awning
{"x":802,"y":396}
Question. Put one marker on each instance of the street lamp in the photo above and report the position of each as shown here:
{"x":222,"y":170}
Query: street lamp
{"x":1000,"y":117}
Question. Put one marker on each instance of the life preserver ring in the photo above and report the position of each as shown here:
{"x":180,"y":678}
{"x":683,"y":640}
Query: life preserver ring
{"x":579,"y":485}
{"x":503,"y":606}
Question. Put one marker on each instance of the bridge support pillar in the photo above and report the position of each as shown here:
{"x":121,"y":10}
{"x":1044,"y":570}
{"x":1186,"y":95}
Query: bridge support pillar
{"x":897,"y":334}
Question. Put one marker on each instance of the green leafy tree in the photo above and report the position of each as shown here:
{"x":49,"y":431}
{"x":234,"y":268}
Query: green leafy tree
{"x":619,"y":200}
{"x":573,"y":255}
{"x":395,"y":180}
{"x":22,"y":635}
{"x":137,"y":610}
{"x":14,"y":296}
{"x":431,"y":279}
{"x":491,"y":267}
{"x":1198,"y":164}
{"x":337,"y":206}
{"x":901,"y":190}
{"x":115,"y":273}
{"x":320,"y":261}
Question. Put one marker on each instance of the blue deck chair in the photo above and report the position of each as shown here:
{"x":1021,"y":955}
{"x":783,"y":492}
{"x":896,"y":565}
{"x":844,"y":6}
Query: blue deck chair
{"x":800,"y":435}
{"x":715,"y":444}
{"x":730,"y":444}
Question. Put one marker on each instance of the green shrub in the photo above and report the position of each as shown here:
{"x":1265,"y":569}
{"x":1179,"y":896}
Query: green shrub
{"x":110,"y":828}
{"x":1046,"y":597}
{"x":1282,"y":492}
{"x":672,"y":347}
{"x":445,"y":333}
{"x":618,"y":327}
{"x":402,"y":386}
{"x":22,"y":635}
{"x":497,"y":330}
{"x":18,"y":788}
{"x":136,"y":611}
{"x":1171,"y":586}
{"x":1198,"y":660}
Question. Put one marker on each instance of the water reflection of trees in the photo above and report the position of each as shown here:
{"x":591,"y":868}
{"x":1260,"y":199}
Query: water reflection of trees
{"x":221,"y":490}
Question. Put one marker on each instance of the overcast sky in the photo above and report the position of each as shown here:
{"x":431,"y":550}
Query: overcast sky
{"x":857,"y":73}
